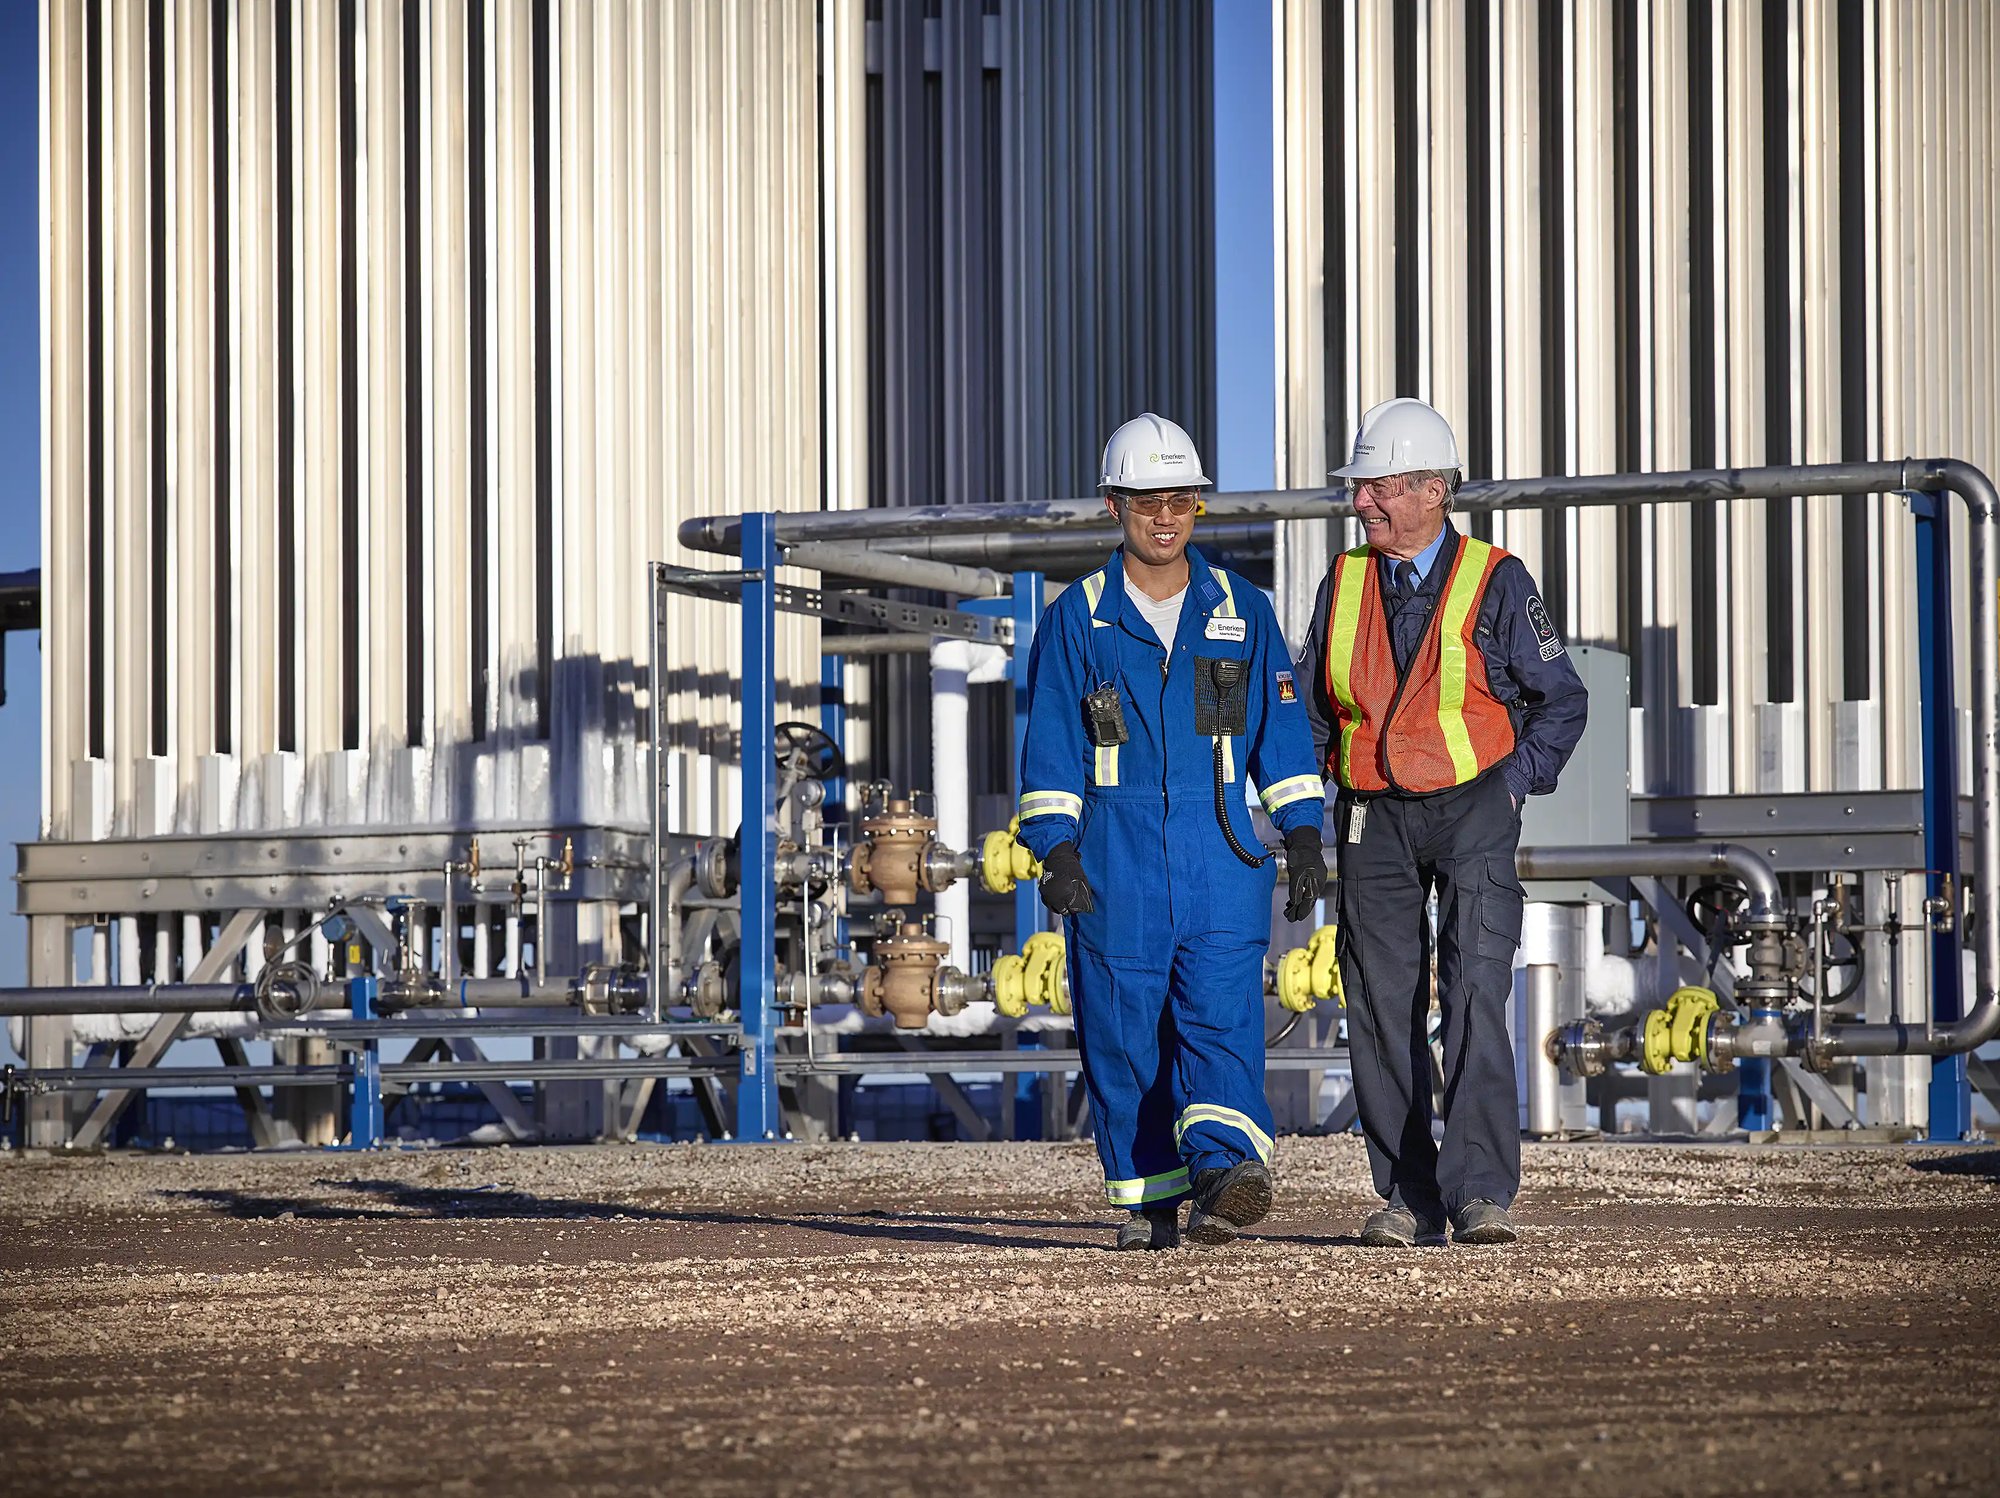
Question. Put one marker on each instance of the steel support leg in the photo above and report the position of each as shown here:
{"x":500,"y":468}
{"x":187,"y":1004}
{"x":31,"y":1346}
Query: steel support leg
{"x":1951,"y":1094}
{"x":364,"y":1106}
{"x":757,"y":1110}
{"x":1756,"y":1110}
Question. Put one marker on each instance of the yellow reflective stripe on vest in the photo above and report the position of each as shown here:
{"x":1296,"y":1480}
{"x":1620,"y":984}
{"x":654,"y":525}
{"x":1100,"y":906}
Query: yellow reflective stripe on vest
{"x":1050,"y":804}
{"x":1143,"y":1189}
{"x":1285,"y":792}
{"x":1350,"y":581}
{"x":1229,"y":1118}
{"x":1452,"y":661}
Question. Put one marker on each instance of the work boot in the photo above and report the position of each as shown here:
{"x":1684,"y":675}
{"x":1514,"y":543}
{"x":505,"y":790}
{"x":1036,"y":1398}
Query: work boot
{"x":1151,"y":1228}
{"x":1482,"y":1221}
{"x":1398,"y":1227}
{"x":1226,"y":1201}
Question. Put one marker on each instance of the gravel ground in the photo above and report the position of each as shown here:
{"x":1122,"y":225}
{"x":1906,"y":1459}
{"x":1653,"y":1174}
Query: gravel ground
{"x":907,"y":1318}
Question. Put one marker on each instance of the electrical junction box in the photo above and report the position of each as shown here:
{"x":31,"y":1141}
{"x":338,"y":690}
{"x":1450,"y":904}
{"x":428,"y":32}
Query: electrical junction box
{"x":1592,"y":803}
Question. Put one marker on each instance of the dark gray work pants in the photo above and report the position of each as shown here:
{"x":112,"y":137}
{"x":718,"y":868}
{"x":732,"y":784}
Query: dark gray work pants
{"x":1458,"y":843}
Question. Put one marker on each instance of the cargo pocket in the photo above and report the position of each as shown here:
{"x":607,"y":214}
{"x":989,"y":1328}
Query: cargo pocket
{"x":1501,"y":904}
{"x":1109,"y":838}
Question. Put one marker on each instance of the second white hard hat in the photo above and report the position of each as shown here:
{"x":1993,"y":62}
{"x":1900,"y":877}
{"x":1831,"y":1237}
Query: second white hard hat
{"x":1401,"y":436}
{"x":1150,"y":452}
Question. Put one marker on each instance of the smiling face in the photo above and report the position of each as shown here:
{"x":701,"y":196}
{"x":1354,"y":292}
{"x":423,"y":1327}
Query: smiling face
{"x":1403,"y":513}
{"x":1154,"y":540}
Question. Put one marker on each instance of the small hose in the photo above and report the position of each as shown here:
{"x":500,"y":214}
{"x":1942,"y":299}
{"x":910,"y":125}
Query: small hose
{"x":1222,"y":815}
{"x":1285,"y":1029}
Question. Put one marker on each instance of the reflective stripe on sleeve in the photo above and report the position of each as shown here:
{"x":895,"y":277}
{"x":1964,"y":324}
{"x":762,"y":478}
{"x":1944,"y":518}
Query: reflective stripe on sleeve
{"x":1229,"y":1118}
{"x":1143,"y":1189}
{"x":1285,"y":792}
{"x":1050,"y":804}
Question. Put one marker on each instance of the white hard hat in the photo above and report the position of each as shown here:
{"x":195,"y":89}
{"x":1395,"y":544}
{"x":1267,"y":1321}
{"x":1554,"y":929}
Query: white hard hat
{"x":1401,"y":436}
{"x":1150,"y":452}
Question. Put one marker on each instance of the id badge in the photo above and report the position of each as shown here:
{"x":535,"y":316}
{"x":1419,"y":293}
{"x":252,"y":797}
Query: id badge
{"x":1357,"y":818}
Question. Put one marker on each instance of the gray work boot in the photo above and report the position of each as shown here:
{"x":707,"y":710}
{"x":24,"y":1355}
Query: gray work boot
{"x":1482,"y":1221}
{"x":1151,"y":1228}
{"x":1226,"y":1201}
{"x":1398,"y":1227}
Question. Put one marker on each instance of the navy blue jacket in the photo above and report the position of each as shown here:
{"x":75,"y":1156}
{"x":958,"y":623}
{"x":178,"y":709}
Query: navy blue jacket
{"x":1527,"y":667}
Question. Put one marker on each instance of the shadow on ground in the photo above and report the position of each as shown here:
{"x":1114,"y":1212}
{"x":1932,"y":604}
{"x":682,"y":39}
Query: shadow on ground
{"x":400,"y":1201}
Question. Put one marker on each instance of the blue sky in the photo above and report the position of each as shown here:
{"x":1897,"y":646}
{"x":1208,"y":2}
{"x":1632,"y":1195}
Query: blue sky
{"x":1244,"y":311}
{"x":20,"y":441}
{"x":1245,"y":303}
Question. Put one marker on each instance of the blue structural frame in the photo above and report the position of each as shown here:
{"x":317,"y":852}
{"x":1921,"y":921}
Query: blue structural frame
{"x":1951,"y":1088}
{"x":757,"y":1112}
{"x":364,"y":1097}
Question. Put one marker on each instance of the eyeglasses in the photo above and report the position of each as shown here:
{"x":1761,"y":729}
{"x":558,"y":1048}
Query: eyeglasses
{"x":1150,"y":505}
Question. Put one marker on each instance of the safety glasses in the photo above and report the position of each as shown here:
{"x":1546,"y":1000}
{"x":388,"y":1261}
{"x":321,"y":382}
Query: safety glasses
{"x":1150,"y":505}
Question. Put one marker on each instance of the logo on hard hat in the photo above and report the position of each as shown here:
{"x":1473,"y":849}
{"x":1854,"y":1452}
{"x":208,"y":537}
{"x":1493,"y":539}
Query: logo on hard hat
{"x":1169,"y":458}
{"x":1152,"y":457}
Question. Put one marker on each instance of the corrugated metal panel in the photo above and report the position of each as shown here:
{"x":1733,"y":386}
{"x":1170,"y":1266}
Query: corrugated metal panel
{"x":1040,"y":262}
{"x":1722,"y":232}
{"x":389,"y":338}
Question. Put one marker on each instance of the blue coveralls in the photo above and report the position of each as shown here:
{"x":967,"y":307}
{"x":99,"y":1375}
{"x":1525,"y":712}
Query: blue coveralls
{"x":1167,"y":973}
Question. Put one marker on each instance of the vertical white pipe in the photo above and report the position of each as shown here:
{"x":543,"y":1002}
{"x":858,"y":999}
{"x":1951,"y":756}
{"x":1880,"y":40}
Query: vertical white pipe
{"x":951,"y":663}
{"x":482,"y":942}
{"x":128,"y":949}
{"x":100,"y":956}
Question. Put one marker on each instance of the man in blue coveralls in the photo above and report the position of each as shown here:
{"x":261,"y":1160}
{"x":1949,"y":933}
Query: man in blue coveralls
{"x":1156,"y":684}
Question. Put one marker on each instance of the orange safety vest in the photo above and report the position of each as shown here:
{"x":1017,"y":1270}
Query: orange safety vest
{"x":1438,"y":725}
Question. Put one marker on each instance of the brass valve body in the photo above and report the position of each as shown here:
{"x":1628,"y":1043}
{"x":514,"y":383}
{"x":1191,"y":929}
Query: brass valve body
{"x":902,"y":976}
{"x":889,"y":855}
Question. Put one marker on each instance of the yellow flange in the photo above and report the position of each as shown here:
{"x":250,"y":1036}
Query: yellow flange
{"x":1310,"y":973}
{"x":1003,"y":862}
{"x":1010,"y":987}
{"x":1679,"y":1031}
{"x":1323,"y":952}
{"x":1295,"y":982}
{"x":1656,"y":1052}
{"x":1046,"y":979}
{"x":1690,"y":1008}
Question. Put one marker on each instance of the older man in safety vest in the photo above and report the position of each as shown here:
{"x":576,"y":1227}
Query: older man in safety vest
{"x":1441,"y":698}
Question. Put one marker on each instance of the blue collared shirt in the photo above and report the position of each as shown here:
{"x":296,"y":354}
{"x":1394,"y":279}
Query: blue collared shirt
{"x":1423,"y":560}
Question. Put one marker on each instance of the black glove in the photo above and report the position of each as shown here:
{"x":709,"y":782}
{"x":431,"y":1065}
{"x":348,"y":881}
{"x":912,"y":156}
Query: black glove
{"x":1064,"y":889}
{"x":1307,"y":871}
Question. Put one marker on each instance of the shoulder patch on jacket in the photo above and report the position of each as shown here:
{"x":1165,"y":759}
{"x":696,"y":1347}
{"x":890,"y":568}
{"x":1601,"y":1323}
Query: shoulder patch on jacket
{"x":1545,"y":630}
{"x":1286,"y":691}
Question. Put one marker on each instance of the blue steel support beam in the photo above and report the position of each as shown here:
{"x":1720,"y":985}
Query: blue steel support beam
{"x":1027,"y":614}
{"x":1951,"y":1089}
{"x":364,"y":1099}
{"x":1755,"y":1112}
{"x":757,"y":1115}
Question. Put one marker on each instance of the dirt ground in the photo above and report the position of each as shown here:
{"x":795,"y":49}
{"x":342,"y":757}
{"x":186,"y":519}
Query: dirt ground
{"x":926,"y":1318}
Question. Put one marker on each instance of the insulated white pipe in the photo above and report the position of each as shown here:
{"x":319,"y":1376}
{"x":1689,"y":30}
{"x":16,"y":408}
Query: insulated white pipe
{"x":951,"y":670}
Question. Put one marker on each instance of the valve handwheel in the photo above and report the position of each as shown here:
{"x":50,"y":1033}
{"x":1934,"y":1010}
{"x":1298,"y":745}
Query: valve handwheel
{"x":822,"y":755}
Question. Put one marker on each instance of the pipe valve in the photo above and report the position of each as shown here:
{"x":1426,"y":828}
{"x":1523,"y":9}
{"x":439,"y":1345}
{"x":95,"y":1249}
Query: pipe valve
{"x":1004,"y":863}
{"x":1306,"y":975}
{"x":1038,"y":975}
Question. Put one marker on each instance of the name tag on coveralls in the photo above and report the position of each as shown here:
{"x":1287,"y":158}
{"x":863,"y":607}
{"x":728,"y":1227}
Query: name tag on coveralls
{"x":1228,"y":629}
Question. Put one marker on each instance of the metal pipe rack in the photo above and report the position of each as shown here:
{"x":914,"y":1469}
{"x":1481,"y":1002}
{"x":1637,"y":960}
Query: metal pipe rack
{"x":947,"y":547}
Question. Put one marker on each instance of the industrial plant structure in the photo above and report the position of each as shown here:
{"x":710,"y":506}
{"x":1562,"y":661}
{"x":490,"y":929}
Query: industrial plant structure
{"x":466,"y":423}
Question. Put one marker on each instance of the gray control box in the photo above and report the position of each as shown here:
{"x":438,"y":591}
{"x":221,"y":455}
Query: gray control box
{"x":1592,"y":803}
